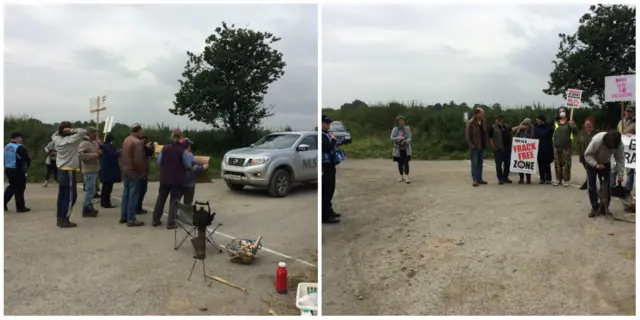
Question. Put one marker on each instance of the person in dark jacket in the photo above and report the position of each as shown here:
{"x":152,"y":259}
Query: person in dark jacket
{"x":174,"y":162}
{"x":501,"y":140}
{"x":476,"y":135}
{"x":109,"y":170}
{"x":148,"y":151}
{"x":584,"y":138}
{"x":543,"y":131}
{"x":16,"y":164}
{"x":134,"y":169}
{"x":329,"y":143}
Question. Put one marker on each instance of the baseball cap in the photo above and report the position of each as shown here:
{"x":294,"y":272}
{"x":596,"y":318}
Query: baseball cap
{"x":326,"y":119}
{"x":16,"y":135}
{"x":186,"y":141}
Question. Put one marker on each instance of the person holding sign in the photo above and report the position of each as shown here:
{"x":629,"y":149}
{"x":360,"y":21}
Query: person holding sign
{"x":628,"y":129}
{"x":544,"y":133}
{"x":109,"y":170}
{"x":598,"y":157}
{"x":584,"y":138}
{"x":476,"y":137}
{"x":524,"y":130}
{"x":564,"y":129}
{"x":500,"y":138}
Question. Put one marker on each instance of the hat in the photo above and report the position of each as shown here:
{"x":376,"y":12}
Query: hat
{"x":500,"y":117}
{"x":186,"y":141}
{"x":326,"y":119}
{"x":630,"y":109}
{"x":91,"y":130}
{"x":16,"y":135}
{"x":526,"y":121}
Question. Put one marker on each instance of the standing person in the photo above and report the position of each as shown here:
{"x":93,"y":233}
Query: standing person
{"x":148,"y":152}
{"x":544,"y":133}
{"x":563,"y":132}
{"x":629,"y":130}
{"x":476,"y":136}
{"x":584,"y":139}
{"x":598,"y":157}
{"x":134,"y":170}
{"x":109,"y":170}
{"x":50,"y":164}
{"x":524,"y":130}
{"x":401,"y":138}
{"x":174,"y":164}
{"x":329,"y":145}
{"x":189,"y":191}
{"x":501,"y":140}
{"x":67,"y":142}
{"x":90,"y":154}
{"x":16,"y":164}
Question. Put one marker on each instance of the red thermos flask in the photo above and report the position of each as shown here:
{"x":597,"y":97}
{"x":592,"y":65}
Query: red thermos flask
{"x":281,"y":278}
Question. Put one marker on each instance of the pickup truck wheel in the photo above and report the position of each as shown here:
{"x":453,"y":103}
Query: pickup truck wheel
{"x":235,"y":187}
{"x":280,"y":184}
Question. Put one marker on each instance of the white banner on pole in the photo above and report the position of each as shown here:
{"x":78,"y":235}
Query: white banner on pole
{"x":524,"y":155}
{"x":108,"y":124}
{"x":629,"y":152}
{"x":620,"y":88}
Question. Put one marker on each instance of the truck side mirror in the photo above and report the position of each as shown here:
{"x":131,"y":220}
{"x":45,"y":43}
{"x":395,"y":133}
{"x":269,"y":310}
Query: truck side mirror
{"x":303,"y":147}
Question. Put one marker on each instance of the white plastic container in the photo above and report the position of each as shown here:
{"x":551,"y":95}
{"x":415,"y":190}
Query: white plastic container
{"x":303,"y":290}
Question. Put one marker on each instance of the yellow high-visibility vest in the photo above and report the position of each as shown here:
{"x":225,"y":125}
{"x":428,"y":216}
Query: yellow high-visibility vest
{"x":555,"y":126}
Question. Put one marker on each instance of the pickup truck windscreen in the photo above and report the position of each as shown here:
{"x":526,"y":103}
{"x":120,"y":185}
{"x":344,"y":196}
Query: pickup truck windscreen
{"x":276,"y":141}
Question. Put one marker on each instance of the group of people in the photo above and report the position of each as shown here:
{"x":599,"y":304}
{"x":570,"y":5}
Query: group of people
{"x":555,"y":142}
{"x":80,"y":150}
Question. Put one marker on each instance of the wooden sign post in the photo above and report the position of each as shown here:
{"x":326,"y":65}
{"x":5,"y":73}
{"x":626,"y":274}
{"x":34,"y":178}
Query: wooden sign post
{"x":95,"y":106}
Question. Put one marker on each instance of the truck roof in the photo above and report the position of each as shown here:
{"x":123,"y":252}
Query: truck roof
{"x":296,"y":132}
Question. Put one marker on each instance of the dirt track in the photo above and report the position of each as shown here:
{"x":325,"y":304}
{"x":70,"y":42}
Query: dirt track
{"x":441,"y":247}
{"x":104,"y":268}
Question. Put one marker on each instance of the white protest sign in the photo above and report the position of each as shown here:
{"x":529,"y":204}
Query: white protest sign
{"x":465,"y":117}
{"x":574,"y":98}
{"x":620,"y":88}
{"x":108,"y":124}
{"x":524,"y":155}
{"x":629,"y":152}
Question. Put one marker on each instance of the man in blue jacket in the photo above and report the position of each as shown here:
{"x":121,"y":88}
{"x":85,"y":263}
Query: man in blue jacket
{"x":16,"y":163}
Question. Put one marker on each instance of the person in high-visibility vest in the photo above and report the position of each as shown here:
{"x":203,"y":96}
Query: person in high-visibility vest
{"x":563,"y":132}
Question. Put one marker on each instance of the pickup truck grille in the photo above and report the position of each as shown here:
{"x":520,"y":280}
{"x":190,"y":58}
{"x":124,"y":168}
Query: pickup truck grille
{"x":236,"y":162}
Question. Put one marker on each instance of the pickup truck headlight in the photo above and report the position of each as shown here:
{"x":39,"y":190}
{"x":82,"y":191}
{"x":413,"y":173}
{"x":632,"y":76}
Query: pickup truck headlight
{"x":256,"y":161}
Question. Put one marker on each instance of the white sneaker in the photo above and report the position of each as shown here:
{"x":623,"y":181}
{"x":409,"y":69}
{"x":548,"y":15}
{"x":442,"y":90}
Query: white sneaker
{"x":401,"y":179}
{"x":407,"y":180}
{"x":44,"y":185}
{"x":555,"y":183}
{"x":566,"y":184}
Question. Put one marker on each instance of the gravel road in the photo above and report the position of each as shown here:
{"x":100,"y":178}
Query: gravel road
{"x":442,"y":247}
{"x":104,"y":268}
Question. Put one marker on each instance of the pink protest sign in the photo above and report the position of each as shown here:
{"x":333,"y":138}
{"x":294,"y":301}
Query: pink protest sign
{"x":620,"y":88}
{"x":574,"y":98}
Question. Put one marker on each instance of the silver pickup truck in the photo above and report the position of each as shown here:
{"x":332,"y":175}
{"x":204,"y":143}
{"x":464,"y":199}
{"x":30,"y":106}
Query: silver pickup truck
{"x":276,"y":162}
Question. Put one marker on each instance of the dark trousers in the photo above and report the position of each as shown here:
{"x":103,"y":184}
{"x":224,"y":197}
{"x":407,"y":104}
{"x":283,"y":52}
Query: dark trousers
{"x":604,"y":177}
{"x":67,"y":193}
{"x":477,"y":162}
{"x":105,"y":197}
{"x":403,"y":163}
{"x":17,"y":185}
{"x":503,"y":163}
{"x":188,"y":193}
{"x":51,"y":170}
{"x":522,"y":175}
{"x":142,"y":193}
{"x":544,"y":169}
{"x":328,"y":188}
{"x":173,"y":193}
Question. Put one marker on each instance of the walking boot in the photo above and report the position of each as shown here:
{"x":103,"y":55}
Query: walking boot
{"x":89,"y":213}
{"x":67,"y":224}
{"x":584,"y":186}
{"x":594,"y":212}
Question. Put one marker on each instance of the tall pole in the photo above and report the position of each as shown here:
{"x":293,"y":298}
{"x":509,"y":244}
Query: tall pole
{"x":100,"y":106}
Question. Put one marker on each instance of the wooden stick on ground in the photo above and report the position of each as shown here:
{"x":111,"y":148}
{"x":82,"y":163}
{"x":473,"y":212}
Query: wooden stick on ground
{"x":273,"y":313}
{"x":226,"y":282}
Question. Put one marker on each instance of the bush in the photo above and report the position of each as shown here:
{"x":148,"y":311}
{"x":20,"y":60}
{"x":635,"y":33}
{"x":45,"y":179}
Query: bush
{"x":438,"y":130}
{"x":37,"y":135}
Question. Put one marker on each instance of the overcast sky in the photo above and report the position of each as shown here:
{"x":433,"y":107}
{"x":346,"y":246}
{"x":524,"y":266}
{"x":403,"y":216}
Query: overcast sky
{"x":57,"y":57}
{"x":438,"y":53}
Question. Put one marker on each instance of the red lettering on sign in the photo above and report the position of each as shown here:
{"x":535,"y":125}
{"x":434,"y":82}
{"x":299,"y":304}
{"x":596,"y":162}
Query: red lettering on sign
{"x":527,"y":155}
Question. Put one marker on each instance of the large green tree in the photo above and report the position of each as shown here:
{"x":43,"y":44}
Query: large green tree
{"x":225,"y":85}
{"x":604,"y":45}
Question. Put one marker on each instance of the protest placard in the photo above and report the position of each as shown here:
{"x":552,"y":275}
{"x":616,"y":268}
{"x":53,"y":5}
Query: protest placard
{"x":524,"y":155}
{"x":465,"y":117}
{"x":629,"y":152}
{"x":620,"y":88}
{"x":574,"y":98}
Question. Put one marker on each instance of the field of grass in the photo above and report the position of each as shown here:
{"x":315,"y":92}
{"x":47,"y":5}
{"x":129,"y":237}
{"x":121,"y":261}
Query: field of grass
{"x":438,"y":130}
{"x":36,"y":135}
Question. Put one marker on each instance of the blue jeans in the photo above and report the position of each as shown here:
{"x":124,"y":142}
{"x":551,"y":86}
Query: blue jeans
{"x":631,"y":177}
{"x":477,"y":163}
{"x":130,"y":195}
{"x":89,"y":190}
